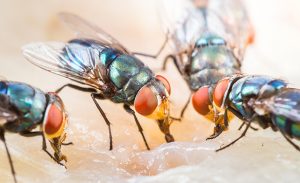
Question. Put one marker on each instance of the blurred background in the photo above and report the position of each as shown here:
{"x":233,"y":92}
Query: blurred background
{"x":135,"y":23}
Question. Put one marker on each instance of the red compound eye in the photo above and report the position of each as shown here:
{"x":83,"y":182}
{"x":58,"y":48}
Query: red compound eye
{"x":165,"y":82}
{"x":220,"y":91}
{"x":201,"y":100}
{"x":54,"y":120}
{"x":145,"y":101}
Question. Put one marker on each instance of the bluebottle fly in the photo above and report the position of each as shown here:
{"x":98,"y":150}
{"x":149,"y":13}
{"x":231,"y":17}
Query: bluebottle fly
{"x":209,"y":38}
{"x":261,"y":99}
{"x":23,"y":108}
{"x":108,"y":70}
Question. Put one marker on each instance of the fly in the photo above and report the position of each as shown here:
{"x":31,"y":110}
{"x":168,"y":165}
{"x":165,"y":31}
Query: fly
{"x":108,"y":70}
{"x":208,"y":39}
{"x":23,"y":108}
{"x":261,"y":99}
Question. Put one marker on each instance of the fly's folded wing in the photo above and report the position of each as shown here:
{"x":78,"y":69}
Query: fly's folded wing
{"x":286,"y":103}
{"x":85,"y":29}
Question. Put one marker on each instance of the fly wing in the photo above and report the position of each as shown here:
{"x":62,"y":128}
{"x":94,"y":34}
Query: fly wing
{"x":71,"y":60}
{"x":286,"y":103}
{"x":182,"y":22}
{"x":84,"y":29}
{"x":186,"y":20}
{"x":238,"y":27}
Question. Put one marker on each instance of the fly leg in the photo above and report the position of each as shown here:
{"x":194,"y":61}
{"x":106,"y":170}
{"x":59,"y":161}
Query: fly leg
{"x":68,"y":143}
{"x":100,"y":96}
{"x":219,"y":128}
{"x":242,"y":125}
{"x":130,"y":111}
{"x":242,"y":135}
{"x":12,"y":169}
{"x":44,"y":144}
{"x":157,"y":54}
{"x":248,"y":123}
{"x":164,"y":126}
{"x":181,"y":72}
{"x":217,"y":132}
{"x":75,"y":87}
{"x":94,"y":96}
{"x":290,"y":141}
{"x":173,"y":58}
{"x":241,"y":118}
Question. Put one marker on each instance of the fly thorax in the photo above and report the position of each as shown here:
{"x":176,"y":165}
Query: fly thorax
{"x":128,"y":75}
{"x":250,"y":93}
{"x":211,"y":61}
{"x":271,"y":88}
{"x":260,"y":103}
{"x":30,"y":102}
{"x":209,"y":39}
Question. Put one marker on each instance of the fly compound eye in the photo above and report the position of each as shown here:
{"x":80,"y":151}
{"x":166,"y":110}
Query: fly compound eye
{"x":165,"y":82}
{"x":54,"y":122}
{"x":145,"y":101}
{"x":201,"y":101}
{"x":219,"y":92}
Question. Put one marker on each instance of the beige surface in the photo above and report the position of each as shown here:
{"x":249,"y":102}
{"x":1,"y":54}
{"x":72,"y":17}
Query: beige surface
{"x":261,"y":156}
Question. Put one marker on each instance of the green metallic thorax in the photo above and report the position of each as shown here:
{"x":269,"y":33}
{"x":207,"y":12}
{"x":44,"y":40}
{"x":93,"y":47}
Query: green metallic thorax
{"x":127,"y":73}
{"x":211,"y":61}
{"x":29,"y":102}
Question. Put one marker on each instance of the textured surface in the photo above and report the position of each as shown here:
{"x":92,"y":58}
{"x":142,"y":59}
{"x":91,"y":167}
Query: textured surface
{"x":262,"y":156}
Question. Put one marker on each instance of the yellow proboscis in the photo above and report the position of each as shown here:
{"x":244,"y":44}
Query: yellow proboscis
{"x":219,"y":118}
{"x":161,"y":111}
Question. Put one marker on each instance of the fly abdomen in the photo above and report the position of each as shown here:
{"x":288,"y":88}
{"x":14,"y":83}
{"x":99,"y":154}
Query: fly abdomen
{"x":287,"y":126}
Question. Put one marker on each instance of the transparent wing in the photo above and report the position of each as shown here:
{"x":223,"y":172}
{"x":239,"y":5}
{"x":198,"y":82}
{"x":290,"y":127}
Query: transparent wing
{"x":71,"y":60}
{"x":182,"y":22}
{"x":84,"y":29}
{"x":186,"y":20}
{"x":286,"y":103}
{"x":238,"y":27}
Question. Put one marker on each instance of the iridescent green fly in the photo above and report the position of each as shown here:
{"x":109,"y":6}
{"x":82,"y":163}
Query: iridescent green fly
{"x":97,"y":60}
{"x":23,"y":108}
{"x":208,"y":39}
{"x":261,"y":99}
